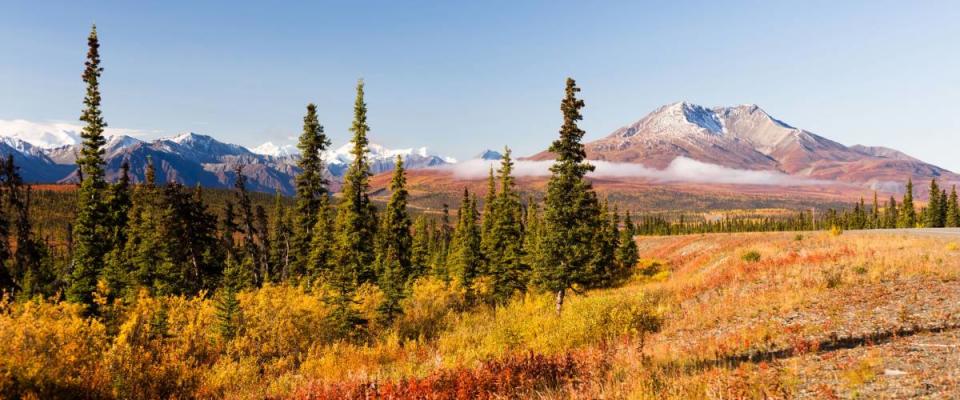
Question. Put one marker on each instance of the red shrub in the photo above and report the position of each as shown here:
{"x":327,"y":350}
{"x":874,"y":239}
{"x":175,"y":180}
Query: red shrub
{"x":511,"y":377}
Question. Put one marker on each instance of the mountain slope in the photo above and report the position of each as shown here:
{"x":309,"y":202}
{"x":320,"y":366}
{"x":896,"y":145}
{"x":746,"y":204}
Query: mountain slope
{"x":746,"y":137}
{"x":189,"y":158}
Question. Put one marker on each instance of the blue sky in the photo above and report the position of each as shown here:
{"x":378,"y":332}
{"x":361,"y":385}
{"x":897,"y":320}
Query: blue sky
{"x":459,"y":77}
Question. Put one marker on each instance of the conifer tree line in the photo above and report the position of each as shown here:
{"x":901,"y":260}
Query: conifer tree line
{"x":160,"y":237}
{"x":941,"y":211}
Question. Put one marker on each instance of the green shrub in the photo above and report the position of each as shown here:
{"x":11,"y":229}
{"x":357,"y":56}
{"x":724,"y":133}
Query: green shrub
{"x":750,"y":256}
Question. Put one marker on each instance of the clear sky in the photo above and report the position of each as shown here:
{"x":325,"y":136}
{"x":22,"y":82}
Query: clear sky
{"x":459,"y":77}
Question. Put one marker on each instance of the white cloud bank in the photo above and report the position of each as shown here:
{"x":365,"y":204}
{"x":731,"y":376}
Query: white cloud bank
{"x":681,"y":169}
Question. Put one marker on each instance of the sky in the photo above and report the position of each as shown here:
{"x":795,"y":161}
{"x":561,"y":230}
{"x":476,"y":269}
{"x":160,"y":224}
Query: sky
{"x":460,"y":77}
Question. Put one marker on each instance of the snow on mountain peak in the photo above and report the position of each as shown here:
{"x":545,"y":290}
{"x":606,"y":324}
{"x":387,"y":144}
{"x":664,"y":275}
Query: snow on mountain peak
{"x":344,"y":155}
{"x":679,"y":118}
{"x":270,"y":149}
{"x":49,"y":135}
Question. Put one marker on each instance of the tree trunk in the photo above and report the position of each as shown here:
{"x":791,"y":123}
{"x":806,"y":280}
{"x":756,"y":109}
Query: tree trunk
{"x":560,"y":294}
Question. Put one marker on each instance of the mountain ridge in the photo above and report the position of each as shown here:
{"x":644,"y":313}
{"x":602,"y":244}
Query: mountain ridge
{"x":747,"y":137}
{"x":190,"y":158}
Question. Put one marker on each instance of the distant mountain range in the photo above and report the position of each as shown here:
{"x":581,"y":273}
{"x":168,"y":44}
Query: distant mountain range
{"x":725,"y":140}
{"x":747,"y":138}
{"x":46,"y":153}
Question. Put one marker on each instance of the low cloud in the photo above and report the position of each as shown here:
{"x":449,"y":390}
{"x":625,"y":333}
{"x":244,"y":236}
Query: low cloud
{"x":681,"y":169}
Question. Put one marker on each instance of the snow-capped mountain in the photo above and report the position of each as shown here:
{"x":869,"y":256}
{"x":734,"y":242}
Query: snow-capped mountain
{"x":190,"y":158}
{"x":746,"y":137}
{"x":273,"y":150}
{"x":383,"y":159}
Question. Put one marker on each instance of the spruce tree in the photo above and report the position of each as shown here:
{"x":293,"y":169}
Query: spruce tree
{"x":627,"y":252}
{"x":892,"y":215}
{"x":311,"y":187}
{"x":320,"y":258}
{"x":571,"y":212}
{"x":953,"y":210}
{"x":942,"y":209}
{"x":251,"y":247}
{"x":503,"y":243}
{"x":441,"y":246}
{"x":90,"y":235}
{"x":395,"y":246}
{"x":931,"y":216}
{"x":908,"y":215}
{"x":421,"y":246}
{"x":141,"y":263}
{"x":395,"y":226}
{"x":115,"y":272}
{"x":488,"y":203}
{"x":467,"y":259}
{"x":602,"y":271}
{"x":356,"y":217}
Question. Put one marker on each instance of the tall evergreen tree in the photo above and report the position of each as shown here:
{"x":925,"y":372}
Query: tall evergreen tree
{"x":441,"y":247}
{"x":421,"y":246}
{"x":942,"y":209}
{"x":602,"y":269}
{"x":892,"y":215}
{"x":251,"y":247}
{"x":311,"y":186}
{"x":395,"y":224}
{"x":627,"y":252}
{"x":467,"y":259}
{"x":931,"y":216}
{"x":503,"y":243}
{"x":90,"y":235}
{"x":908,"y":215}
{"x":395,"y":246}
{"x":488,"y":203}
{"x":953,"y":210}
{"x":321,"y":255}
{"x":356,"y":218}
{"x":571,"y":211}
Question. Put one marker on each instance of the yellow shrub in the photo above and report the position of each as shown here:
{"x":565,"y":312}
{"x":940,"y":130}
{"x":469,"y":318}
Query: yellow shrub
{"x":50,"y":351}
{"x":425,"y":309}
{"x":280,"y":322}
{"x":531,"y":324}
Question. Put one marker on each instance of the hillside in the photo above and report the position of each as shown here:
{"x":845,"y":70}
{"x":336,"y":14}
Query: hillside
{"x":745,"y":137}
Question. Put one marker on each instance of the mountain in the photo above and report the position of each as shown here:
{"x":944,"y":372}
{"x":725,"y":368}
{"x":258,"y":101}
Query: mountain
{"x":489,"y":155}
{"x":270,"y":149}
{"x":46,"y":153}
{"x":745,"y":137}
{"x":383,"y":159}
